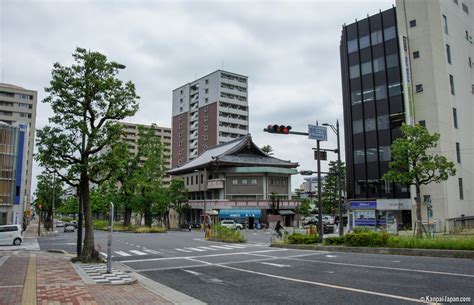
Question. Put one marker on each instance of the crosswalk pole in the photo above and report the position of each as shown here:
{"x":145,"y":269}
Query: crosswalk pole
{"x":109,"y":241}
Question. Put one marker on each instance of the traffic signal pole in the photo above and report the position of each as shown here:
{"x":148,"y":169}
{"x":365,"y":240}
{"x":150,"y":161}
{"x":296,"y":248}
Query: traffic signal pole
{"x":320,"y":202}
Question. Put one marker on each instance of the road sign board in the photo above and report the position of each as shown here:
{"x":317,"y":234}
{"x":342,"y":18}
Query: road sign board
{"x":317,"y":133}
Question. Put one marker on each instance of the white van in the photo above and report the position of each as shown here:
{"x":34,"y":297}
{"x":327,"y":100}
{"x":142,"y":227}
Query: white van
{"x":11,"y":235}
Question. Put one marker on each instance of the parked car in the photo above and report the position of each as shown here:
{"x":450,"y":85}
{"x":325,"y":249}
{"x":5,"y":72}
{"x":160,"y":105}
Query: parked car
{"x":328,"y":219}
{"x":59,"y":223}
{"x":74,"y":224}
{"x":11,"y":235}
{"x":326,"y":228}
{"x":69,"y":228}
{"x":231,"y":224}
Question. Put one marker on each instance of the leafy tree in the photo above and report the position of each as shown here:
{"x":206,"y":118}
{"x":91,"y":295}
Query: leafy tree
{"x":47,"y":187}
{"x":149,"y":175}
{"x":330,"y":188}
{"x":70,"y":205}
{"x":412,"y":164}
{"x":178,"y":197}
{"x":87,"y":100}
{"x":304,"y":209}
{"x":267,"y":149}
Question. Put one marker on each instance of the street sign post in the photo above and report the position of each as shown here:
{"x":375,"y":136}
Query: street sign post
{"x":319,"y":133}
{"x":109,"y":241}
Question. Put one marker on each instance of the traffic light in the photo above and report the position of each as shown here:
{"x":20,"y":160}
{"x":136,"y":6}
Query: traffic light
{"x":282,"y":129}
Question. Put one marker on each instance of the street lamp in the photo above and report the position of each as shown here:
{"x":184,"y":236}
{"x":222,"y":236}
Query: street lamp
{"x":336,"y":131}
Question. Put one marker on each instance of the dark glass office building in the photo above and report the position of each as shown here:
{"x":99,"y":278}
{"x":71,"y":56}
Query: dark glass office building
{"x":373,"y":104}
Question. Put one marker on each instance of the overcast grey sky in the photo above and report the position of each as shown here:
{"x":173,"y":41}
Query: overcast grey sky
{"x":288,"y":49}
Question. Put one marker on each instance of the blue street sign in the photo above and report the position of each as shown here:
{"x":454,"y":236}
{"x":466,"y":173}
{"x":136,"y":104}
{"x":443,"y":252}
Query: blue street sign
{"x":319,"y":133}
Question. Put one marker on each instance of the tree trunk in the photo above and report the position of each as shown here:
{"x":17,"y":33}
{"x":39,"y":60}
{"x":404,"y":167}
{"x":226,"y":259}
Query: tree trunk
{"x":148,"y":219}
{"x":127,"y":216}
{"x":419,"y":224}
{"x":88,"y":251}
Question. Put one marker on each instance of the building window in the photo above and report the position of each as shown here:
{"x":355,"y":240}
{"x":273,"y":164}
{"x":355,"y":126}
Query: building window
{"x":412,"y":23}
{"x":271,"y":181}
{"x":364,"y":42}
{"x":379,"y":64}
{"x":180,"y":108}
{"x":187,"y":180}
{"x":354,"y":71}
{"x":244,"y":181}
{"x":206,"y":109}
{"x":465,"y":8}
{"x":370,"y":124}
{"x":470,"y":62}
{"x":371,"y":154}
{"x":394,"y":89}
{"x":352,"y":46}
{"x":448,"y":53}
{"x":384,"y":153}
{"x":253,"y":181}
{"x":392,"y":61}
{"x":357,"y":127}
{"x":359,"y":156}
{"x":376,"y":37}
{"x":389,"y":33}
{"x":422,"y":123}
{"x":383,"y":122}
{"x":206,"y":118}
{"x":419,"y":88}
{"x":445,"y":24}
{"x":206,"y":128}
{"x":283,"y":182}
{"x":206,"y":138}
{"x":206,"y":81}
{"x":455,"y":118}
{"x":181,"y":91}
{"x":451,"y":83}
{"x":368,"y":95}
{"x":366,"y":68}
{"x":380,"y":92}
{"x":235,"y":181}
{"x":461,"y":191}
{"x":416,"y":54}
{"x":206,"y":100}
{"x":458,"y":152}
{"x":356,"y":98}
{"x":206,"y":90}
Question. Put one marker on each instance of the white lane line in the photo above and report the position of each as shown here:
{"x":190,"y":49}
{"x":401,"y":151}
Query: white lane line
{"x":152,"y":251}
{"x":201,"y":256}
{"x":221,"y":247}
{"x":382,"y":267}
{"x":208,"y":248}
{"x":276,"y":265}
{"x":234,"y":247}
{"x":138,"y":246}
{"x":192,"y":272}
{"x":122,"y":253}
{"x":392,"y":296}
{"x":138,"y":252}
{"x":182,"y":250}
{"x":195,"y":249}
{"x":71,"y":243}
{"x":329,"y":255}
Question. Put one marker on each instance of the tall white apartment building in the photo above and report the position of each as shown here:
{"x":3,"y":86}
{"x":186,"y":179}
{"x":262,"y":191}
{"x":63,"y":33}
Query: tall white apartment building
{"x":18,"y":109}
{"x":208,"y":111}
{"x":131,"y":136}
{"x":440,"y":50}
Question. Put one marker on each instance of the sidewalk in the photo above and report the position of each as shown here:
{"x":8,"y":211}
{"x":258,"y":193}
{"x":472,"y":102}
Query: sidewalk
{"x":35,"y":277}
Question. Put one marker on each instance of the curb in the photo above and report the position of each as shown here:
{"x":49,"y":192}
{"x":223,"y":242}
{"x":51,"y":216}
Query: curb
{"x":466,"y":254}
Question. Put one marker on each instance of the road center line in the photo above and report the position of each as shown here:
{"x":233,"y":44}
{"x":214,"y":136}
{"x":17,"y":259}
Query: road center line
{"x":392,"y":296}
{"x":380,"y":267}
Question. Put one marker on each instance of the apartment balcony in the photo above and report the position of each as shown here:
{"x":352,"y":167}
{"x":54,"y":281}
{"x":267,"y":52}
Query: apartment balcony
{"x":233,"y":101}
{"x":193,"y":117}
{"x":194,"y":135}
{"x":233,"y":121}
{"x":233,"y":111}
{"x":193,"y":144}
{"x":193,"y":153}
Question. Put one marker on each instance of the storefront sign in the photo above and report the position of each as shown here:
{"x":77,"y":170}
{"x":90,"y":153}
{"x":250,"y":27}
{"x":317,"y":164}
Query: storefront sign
{"x":237,"y":213}
{"x":393,"y":204}
{"x":363,"y":205}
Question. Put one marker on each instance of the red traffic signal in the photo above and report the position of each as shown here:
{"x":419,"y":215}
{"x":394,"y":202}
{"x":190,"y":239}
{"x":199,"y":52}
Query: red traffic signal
{"x":282,"y":129}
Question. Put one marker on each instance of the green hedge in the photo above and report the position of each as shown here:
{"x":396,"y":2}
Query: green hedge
{"x":219,"y":233}
{"x":104,"y":225}
{"x":298,"y":238}
{"x":367,"y":239}
{"x":432,"y":243}
{"x":337,"y":240}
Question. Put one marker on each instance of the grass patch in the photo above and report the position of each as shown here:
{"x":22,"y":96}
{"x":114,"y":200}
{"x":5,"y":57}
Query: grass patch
{"x":219,"y":233}
{"x":104,"y":225}
{"x":443,"y":243}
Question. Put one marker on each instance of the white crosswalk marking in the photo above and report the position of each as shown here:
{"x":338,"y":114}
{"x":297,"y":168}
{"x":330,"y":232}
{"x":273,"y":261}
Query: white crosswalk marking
{"x":138,"y":252}
{"x":122,"y":253}
{"x":195,"y":249}
{"x":103,"y":254}
{"x":221,"y":247}
{"x":234,"y":247}
{"x":182,"y":250}
{"x":152,"y":251}
{"x":207,"y":248}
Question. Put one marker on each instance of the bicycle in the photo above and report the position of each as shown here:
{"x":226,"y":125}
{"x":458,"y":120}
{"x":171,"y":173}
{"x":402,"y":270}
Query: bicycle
{"x":274,"y":236}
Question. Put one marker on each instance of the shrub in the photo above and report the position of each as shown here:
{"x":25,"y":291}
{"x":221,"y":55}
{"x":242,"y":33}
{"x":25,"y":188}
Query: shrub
{"x":100,"y":224}
{"x":66,"y":219}
{"x":298,"y":238}
{"x":358,"y":230}
{"x":367,"y":239}
{"x":219,"y":233}
{"x":431,"y":243}
{"x":337,"y":240}
{"x":149,"y":230}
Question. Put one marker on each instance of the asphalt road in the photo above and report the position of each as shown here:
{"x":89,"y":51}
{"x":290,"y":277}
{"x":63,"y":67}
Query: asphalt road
{"x":253,"y":273}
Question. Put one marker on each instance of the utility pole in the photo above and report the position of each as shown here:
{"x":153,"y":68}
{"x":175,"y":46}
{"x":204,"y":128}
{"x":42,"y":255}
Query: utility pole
{"x":320,"y":202}
{"x":339,"y":179}
{"x":52,"y":205}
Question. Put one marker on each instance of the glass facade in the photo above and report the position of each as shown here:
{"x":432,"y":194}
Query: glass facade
{"x":373,"y":103}
{"x":8,"y":156}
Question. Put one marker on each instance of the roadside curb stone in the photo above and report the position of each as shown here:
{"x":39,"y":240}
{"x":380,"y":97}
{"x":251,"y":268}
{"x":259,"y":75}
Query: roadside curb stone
{"x":467,"y":254}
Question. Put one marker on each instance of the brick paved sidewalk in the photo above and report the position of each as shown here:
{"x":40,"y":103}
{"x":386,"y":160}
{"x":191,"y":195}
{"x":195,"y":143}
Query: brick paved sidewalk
{"x":33,"y":277}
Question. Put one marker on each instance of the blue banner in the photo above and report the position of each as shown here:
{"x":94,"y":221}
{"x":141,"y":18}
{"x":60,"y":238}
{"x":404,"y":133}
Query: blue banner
{"x":363,"y":205}
{"x":240,"y":213}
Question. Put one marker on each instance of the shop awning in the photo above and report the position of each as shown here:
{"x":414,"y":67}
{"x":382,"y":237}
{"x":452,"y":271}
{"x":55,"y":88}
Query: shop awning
{"x":286,"y":212}
{"x":240,"y":213}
